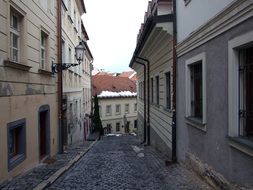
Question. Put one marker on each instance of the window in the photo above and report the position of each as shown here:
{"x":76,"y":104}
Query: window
{"x":135,"y":124}
{"x":100,"y":110}
{"x":15,"y":24}
{"x":240,"y":92}
{"x":117,"y":127}
{"x":246,"y":92}
{"x":157,"y":90}
{"x":168,"y":90}
{"x":16,"y":143}
{"x":63,"y":51}
{"x":43,"y":49}
{"x":108,"y":110}
{"x":152,"y":90}
{"x":135,"y":107}
{"x":196,"y":88}
{"x":75,"y":20}
{"x":108,"y":128}
{"x":126,"y":108}
{"x":118,"y":109}
{"x":70,"y":55}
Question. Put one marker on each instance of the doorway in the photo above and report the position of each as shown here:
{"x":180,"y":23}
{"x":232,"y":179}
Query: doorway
{"x":127,"y":127}
{"x":44,"y":135}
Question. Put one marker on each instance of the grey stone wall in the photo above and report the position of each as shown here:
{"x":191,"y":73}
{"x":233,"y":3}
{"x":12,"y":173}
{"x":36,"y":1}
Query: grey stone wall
{"x":212,"y":147}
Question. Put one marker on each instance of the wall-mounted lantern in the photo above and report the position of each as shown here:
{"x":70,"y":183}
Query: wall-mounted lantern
{"x":79,"y":53}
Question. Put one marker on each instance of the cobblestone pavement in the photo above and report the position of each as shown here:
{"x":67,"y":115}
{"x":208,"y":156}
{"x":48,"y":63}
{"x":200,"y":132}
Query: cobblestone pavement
{"x":43,"y":171}
{"x":122,"y":163}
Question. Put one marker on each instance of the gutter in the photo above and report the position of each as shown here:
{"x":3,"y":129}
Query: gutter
{"x":148,"y":82}
{"x":174,"y":118}
{"x":59,"y":75}
{"x":145,"y":102}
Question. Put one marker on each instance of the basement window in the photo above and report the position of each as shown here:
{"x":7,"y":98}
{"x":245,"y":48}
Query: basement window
{"x":16,"y":143}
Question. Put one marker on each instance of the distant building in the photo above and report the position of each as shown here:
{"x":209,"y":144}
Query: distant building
{"x":215,"y":89}
{"x":117,"y":103}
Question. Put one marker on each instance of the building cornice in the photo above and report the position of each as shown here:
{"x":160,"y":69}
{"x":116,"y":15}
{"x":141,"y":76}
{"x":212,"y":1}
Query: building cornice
{"x":148,"y":27}
{"x":234,"y":14}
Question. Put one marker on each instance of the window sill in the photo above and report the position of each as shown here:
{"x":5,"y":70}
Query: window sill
{"x":16,"y":65}
{"x":243,"y":144}
{"x":197,"y":123}
{"x":70,"y":19}
{"x":16,"y":160}
{"x":45,"y":72}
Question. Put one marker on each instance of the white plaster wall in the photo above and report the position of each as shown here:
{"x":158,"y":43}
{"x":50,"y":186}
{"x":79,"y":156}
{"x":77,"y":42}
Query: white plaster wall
{"x":114,"y":117}
{"x":195,"y":14}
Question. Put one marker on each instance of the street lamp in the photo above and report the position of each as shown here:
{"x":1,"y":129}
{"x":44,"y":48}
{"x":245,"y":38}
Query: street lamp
{"x":79,"y":53}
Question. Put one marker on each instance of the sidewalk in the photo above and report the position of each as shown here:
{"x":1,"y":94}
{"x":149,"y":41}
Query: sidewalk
{"x":46,"y":173}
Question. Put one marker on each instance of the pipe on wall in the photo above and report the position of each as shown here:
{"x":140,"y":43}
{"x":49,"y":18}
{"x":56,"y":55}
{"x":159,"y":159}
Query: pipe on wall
{"x":145,"y":102}
{"x":174,"y":135}
{"x":59,"y":75}
{"x":148,"y":94}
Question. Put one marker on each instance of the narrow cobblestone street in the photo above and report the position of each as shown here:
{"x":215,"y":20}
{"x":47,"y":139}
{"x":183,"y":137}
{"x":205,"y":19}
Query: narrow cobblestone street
{"x":122,"y":163}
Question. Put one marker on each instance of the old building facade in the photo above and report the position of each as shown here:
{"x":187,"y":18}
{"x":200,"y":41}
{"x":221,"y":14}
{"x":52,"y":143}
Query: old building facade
{"x":76,"y":80}
{"x":28,"y":90}
{"x":117,"y":103}
{"x":214,"y":89}
{"x":153,"y":62}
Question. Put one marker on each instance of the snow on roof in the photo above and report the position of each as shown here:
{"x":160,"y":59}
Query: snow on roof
{"x":105,"y":94}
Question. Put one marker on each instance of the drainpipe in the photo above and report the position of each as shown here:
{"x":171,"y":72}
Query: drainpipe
{"x":145,"y":111}
{"x":174,"y":119}
{"x":148,"y":81}
{"x":59,"y":74}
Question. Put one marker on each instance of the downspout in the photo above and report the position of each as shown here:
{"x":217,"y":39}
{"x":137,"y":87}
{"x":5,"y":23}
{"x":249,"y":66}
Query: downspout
{"x":59,"y":74}
{"x":174,"y":119}
{"x":145,"y":109}
{"x":148,"y":81}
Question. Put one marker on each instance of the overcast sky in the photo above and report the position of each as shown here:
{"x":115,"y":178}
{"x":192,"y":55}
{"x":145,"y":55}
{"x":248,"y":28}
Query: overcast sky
{"x":112,"y":26}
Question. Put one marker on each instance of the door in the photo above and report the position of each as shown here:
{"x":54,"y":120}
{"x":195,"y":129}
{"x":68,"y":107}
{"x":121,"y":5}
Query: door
{"x":127,"y":127}
{"x":43,"y":134}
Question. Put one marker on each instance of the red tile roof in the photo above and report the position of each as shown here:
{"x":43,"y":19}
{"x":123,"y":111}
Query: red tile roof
{"x":129,"y":74}
{"x":111,"y":83}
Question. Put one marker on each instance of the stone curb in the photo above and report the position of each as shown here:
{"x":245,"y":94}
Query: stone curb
{"x":42,"y":185}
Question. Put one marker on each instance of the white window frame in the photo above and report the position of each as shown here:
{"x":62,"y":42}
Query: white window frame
{"x":135,"y":107}
{"x":108,"y":110}
{"x":200,"y":57}
{"x":165,"y":90}
{"x":233,"y":81}
{"x":117,"y":112}
{"x":127,"y":106}
{"x":157,"y":90}
{"x":43,"y":48}
{"x":16,"y":32}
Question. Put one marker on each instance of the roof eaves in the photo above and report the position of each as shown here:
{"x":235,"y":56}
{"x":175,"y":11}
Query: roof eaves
{"x":148,"y":26}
